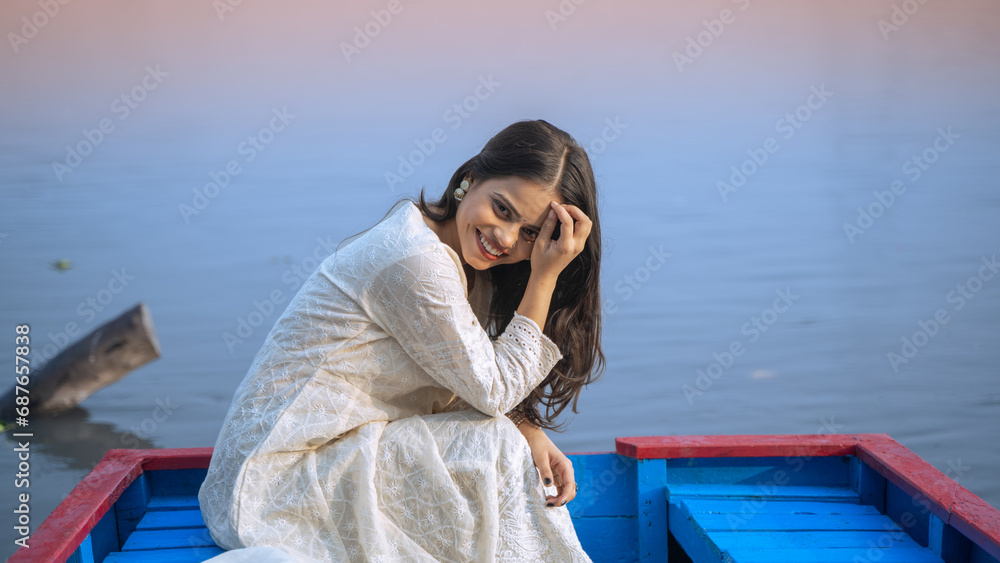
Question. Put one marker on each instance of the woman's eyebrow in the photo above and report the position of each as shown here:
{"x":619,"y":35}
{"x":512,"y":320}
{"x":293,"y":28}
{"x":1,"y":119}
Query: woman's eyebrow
{"x":514,"y":211}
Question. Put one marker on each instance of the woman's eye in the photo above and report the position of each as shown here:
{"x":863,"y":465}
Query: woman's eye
{"x":500,"y":207}
{"x":530,"y":235}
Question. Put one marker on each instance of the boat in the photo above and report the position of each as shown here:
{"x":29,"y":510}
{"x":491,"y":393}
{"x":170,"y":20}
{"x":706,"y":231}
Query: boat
{"x":745,"y":499}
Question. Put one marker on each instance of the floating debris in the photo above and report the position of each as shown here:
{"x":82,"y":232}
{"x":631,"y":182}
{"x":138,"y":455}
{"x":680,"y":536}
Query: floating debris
{"x":62,"y":264}
{"x":763,"y":374}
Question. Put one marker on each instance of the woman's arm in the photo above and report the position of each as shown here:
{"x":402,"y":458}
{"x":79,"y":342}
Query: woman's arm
{"x":420,"y":301}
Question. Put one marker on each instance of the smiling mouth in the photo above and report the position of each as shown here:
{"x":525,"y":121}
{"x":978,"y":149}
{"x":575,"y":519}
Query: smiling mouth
{"x":488,"y":249}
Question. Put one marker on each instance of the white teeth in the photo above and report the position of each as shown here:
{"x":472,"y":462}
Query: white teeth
{"x":489,"y":248}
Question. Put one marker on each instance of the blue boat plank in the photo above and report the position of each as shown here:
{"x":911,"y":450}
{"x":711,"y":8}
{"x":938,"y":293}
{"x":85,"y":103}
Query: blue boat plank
{"x":733,"y":541}
{"x":748,"y":507}
{"x":186,"y":555}
{"x":609,"y":540}
{"x":710,"y":529}
{"x":651,"y":477}
{"x":791,"y":492}
{"x":794,"y":522}
{"x":132,"y":505}
{"x":835,"y":555}
{"x":166,"y":519}
{"x":165,"y":539}
{"x":979,"y":555}
{"x":84,"y":553}
{"x":174,"y":502}
{"x":606,"y":485}
{"x":689,"y":534}
{"x":828,"y":471}
{"x":176,"y":481}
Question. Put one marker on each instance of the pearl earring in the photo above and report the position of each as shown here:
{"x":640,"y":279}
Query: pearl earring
{"x":461,"y":190}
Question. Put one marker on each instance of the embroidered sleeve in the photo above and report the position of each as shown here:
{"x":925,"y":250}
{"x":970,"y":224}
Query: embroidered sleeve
{"x":419,"y":300}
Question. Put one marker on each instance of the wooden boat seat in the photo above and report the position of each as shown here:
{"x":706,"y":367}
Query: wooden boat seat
{"x":171,"y":530}
{"x":768,"y":523}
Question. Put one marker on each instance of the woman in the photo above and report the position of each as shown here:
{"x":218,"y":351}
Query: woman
{"x":370,"y":426}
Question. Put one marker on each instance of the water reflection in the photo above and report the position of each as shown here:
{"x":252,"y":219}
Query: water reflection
{"x":69,"y":440}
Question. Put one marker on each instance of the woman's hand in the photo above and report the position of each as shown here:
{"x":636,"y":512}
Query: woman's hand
{"x":549,"y":257}
{"x":555,"y":468}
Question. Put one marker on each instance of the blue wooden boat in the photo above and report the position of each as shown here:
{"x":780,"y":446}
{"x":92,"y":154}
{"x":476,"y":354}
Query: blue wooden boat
{"x":747,"y":499}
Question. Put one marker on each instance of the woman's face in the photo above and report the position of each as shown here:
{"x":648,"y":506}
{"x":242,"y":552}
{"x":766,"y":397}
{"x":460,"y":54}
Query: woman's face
{"x":498,"y":220}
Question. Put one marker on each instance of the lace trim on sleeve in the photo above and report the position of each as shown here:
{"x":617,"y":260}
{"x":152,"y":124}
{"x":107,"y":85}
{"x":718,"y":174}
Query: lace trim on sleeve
{"x":526,"y":332}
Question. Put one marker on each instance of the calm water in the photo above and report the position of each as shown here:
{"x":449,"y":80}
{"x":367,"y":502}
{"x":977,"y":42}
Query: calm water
{"x":763,"y":265}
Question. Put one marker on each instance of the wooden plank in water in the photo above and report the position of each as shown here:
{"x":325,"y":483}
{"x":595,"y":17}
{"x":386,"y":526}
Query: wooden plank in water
{"x":101,"y":357}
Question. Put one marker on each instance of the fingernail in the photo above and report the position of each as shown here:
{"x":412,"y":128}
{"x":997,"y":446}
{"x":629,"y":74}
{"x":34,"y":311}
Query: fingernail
{"x":548,"y":481}
{"x":549,"y":504}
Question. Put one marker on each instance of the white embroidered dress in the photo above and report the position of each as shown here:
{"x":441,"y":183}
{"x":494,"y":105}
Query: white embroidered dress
{"x":338,"y":446}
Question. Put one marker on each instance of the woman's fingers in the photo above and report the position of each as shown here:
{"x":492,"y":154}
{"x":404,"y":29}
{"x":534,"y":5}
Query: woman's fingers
{"x":566,"y":486}
{"x":544,"y":470}
{"x":566,"y":219}
{"x":549,"y":225}
{"x":575,"y":230}
{"x":581,"y":230}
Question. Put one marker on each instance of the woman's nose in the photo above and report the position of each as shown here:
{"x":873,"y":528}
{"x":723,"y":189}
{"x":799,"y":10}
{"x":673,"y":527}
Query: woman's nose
{"x":507,"y":237}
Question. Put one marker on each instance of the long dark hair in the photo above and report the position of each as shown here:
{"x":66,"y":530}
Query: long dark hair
{"x":544,"y":154}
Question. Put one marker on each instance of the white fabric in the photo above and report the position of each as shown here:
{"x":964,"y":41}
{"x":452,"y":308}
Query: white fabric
{"x":260,"y":554}
{"x":345,"y":441}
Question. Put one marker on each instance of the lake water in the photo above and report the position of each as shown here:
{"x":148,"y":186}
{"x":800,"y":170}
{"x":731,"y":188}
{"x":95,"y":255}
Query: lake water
{"x":730,"y":189}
